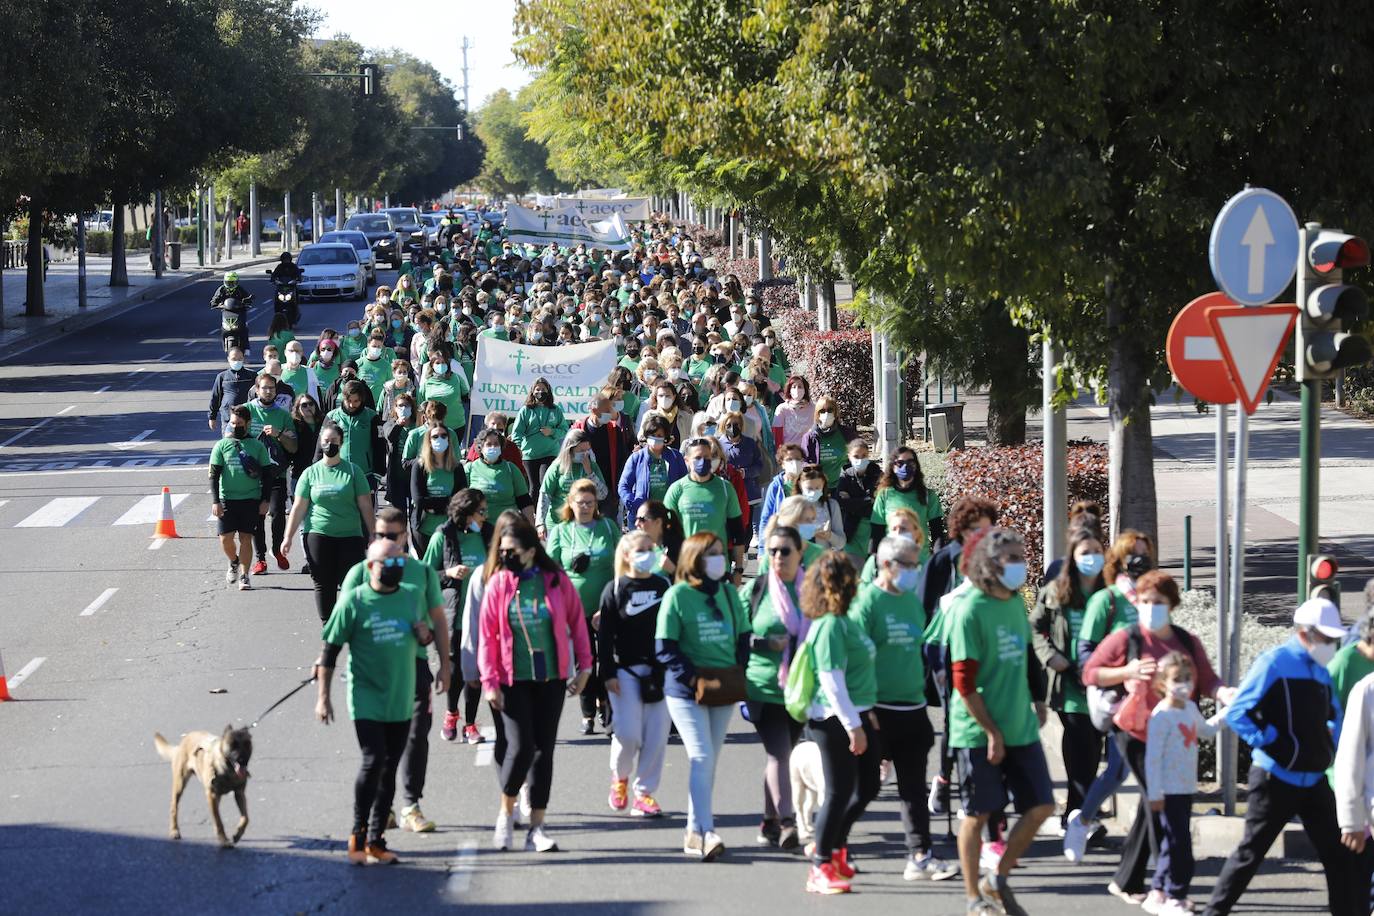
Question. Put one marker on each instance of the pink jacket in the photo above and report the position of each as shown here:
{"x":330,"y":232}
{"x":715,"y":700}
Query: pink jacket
{"x":497,"y":644}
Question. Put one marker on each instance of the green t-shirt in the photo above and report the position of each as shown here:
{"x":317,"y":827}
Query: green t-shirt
{"x":927,"y":510}
{"x":260,"y":416}
{"x":703,"y":506}
{"x":472,"y":551}
{"x":631,"y":364}
{"x":1075,"y":695}
{"x":333,"y":493}
{"x":555,"y":489}
{"x":658,"y":478}
{"x":357,"y":436}
{"x":531,"y":625}
{"x":834,"y":454}
{"x":379,"y":631}
{"x":350,"y":347}
{"x":869,"y":571}
{"x":234,"y":482}
{"x":415,"y":437}
{"x":423,"y":579}
{"x":438,"y":482}
{"x":501,"y":482}
{"x":568,"y":539}
{"x":526,"y":432}
{"x":995,"y":633}
{"x":761,"y":673}
{"x":498,"y":332}
{"x":1347,"y":669}
{"x":325,"y":376}
{"x":706,"y":639}
{"x":298,"y":378}
{"x":375,"y":373}
{"x":1107,"y":606}
{"x":280,"y":340}
{"x":450,"y":391}
{"x":896,"y":624}
{"x":839,"y":644}
{"x":697,"y":368}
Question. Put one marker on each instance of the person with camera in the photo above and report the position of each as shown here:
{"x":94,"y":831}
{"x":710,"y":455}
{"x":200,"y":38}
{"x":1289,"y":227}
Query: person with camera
{"x":241,"y":481}
{"x":633,"y":679}
{"x":532,"y":632}
{"x":583,"y":542}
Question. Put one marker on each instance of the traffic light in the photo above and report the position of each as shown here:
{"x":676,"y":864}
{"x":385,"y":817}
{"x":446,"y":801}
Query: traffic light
{"x":1329,"y":307}
{"x":1321,"y":579}
{"x":368,"y":80}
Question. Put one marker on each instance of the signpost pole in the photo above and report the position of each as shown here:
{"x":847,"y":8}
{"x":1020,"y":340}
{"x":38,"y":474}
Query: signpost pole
{"x":1309,"y":478}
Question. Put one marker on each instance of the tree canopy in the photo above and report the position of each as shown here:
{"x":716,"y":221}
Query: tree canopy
{"x":516,"y":163}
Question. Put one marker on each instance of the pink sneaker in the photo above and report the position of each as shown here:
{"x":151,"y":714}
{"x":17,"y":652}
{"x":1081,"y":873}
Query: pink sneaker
{"x":450,"y":729}
{"x":620,"y":794}
{"x":646,"y":806}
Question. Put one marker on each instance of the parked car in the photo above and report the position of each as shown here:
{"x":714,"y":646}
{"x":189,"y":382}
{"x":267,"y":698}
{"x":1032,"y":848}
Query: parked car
{"x":381,"y":235}
{"x":431,"y":223}
{"x":99,"y":222}
{"x":360,"y":244}
{"x":407,"y":222}
{"x":331,"y":270}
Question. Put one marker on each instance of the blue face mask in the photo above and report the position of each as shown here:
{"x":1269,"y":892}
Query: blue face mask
{"x":1090,"y":564}
{"x":701,"y":466}
{"x":907,"y":579}
{"x":901,"y":471}
{"x":1013,"y":576}
{"x":474,"y":527}
{"x":807,"y":530}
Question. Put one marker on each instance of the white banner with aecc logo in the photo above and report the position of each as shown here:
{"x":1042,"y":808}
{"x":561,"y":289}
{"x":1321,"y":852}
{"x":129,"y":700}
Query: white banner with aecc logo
{"x":505,"y":372}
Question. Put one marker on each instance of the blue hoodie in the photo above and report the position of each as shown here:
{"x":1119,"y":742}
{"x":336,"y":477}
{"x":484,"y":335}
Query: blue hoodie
{"x":1288,"y":713}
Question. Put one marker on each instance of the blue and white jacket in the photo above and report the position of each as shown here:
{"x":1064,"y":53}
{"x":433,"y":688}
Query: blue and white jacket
{"x":1288,"y":713}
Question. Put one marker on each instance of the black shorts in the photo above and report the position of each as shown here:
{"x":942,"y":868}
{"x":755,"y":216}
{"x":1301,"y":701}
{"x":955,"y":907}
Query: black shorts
{"x":239,"y":516}
{"x":1023,"y":775}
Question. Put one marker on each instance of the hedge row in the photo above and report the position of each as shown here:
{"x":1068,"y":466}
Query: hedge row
{"x":1012,"y":477}
{"x":99,"y":241}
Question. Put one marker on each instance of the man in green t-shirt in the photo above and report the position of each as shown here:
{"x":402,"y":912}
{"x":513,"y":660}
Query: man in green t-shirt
{"x":993,"y":719}
{"x":270,"y":422}
{"x":241,"y":476}
{"x":706,"y":502}
{"x":390,"y":528}
{"x":383,"y":626}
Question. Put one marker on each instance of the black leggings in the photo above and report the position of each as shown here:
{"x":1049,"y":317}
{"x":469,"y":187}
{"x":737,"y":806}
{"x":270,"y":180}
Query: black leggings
{"x":417,"y":740}
{"x":594,"y":693}
{"x":1081,"y":748}
{"x":779,"y":733}
{"x":850,"y":784}
{"x":907,"y":736}
{"x":1143,"y":839}
{"x":382,"y":744}
{"x":330,"y":560}
{"x":276,"y":507}
{"x":526,"y":730}
{"x":536,"y":468}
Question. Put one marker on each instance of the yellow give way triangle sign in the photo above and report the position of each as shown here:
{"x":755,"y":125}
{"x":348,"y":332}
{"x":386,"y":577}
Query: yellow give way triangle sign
{"x":1251,"y":341}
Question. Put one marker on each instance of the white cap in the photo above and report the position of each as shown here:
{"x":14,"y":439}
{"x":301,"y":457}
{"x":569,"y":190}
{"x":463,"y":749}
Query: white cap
{"x":1322,"y":614}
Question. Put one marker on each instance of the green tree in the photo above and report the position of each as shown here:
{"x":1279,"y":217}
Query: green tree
{"x":515,"y":163}
{"x":426,"y":163}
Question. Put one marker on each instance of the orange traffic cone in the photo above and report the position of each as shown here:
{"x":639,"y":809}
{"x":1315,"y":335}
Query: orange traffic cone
{"x":4,"y":687}
{"x":167,"y":525}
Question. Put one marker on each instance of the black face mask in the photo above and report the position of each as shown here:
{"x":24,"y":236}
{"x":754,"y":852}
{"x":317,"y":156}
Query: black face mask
{"x":1138,"y":565}
{"x":390,"y":576}
{"x":330,"y":449}
{"x":510,"y":559}
{"x":239,"y":432}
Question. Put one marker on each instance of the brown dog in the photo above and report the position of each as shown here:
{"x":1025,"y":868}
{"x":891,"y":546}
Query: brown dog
{"x":221,"y":763}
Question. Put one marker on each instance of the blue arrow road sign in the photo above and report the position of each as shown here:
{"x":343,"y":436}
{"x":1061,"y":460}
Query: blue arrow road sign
{"x":1254,"y":246}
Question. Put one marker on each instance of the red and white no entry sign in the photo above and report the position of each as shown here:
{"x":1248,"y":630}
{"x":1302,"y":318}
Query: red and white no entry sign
{"x":1195,"y":357}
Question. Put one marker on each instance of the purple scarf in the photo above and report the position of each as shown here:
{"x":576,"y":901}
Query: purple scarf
{"x":792,"y":620}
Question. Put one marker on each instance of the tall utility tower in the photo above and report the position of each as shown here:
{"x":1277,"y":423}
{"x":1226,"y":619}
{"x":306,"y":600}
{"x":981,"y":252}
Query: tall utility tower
{"x":466,"y":44}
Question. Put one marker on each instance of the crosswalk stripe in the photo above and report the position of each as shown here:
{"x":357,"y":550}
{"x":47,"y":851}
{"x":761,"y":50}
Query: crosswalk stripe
{"x":58,"y":512}
{"x":25,"y":671}
{"x":100,"y":602}
{"x":148,"y":510}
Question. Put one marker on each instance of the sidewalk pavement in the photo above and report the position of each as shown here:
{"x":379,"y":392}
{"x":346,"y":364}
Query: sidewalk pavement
{"x":63,"y":314}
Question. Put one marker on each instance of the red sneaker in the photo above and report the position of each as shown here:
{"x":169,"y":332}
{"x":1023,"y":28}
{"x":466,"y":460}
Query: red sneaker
{"x":282,"y":561}
{"x":450,"y":730}
{"x":473,"y":735}
{"x":824,"y":879}
{"x":260,"y":568}
{"x":840,"y":859}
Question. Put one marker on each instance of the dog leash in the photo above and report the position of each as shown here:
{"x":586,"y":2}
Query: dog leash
{"x":297,"y":689}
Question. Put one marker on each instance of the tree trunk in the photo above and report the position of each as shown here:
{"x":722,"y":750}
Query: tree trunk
{"x":1006,"y":412}
{"x":1131,"y":479}
{"x":119,"y":268}
{"x":34,"y":304}
{"x":1011,"y":377}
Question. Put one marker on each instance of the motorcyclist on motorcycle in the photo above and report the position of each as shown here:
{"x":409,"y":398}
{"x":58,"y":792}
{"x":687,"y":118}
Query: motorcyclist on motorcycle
{"x":286,"y":270}
{"x":286,"y":275}
{"x":233,"y":301}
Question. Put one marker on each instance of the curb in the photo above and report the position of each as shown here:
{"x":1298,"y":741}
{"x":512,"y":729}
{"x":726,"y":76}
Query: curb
{"x":78,"y":322}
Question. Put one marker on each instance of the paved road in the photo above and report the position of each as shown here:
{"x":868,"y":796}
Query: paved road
{"x":117,"y":641}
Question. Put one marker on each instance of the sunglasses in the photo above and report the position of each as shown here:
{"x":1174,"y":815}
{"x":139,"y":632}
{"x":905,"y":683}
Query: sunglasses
{"x":904,"y":464}
{"x":390,"y":535}
{"x":642,"y":520}
{"x":783,"y":552}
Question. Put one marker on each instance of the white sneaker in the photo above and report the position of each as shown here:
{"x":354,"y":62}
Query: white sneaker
{"x":928,"y":868}
{"x":522,"y":807}
{"x":245,"y":584}
{"x":939,"y":796}
{"x":1154,"y":902}
{"x":711,"y":846}
{"x":232,"y":575}
{"x":1177,"y":907}
{"x":1076,"y":834}
{"x":539,"y":841}
{"x":504,"y":835}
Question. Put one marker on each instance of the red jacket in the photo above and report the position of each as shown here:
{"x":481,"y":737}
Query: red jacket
{"x":619,"y":443}
{"x":732,"y":474}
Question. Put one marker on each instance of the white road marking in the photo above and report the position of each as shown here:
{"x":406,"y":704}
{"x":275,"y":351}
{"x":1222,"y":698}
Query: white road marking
{"x":25,"y":671}
{"x":190,"y":343}
{"x":486,"y":751}
{"x":163,"y":358}
{"x":67,"y":409}
{"x":100,"y":602}
{"x":103,"y":390}
{"x":3,"y":502}
{"x":156,"y":543}
{"x":24,"y":432}
{"x":460,"y":875}
{"x":148,"y":510}
{"x":135,"y":372}
{"x":132,"y":442}
{"x":59,"y":512}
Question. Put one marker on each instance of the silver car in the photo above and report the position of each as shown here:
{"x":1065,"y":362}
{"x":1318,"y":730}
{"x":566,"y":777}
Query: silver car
{"x":331,"y":270}
{"x":359,"y":242}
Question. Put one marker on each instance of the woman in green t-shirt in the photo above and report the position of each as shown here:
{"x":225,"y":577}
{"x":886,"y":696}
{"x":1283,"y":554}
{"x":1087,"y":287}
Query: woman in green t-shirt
{"x":1055,"y":625}
{"x":336,"y":496}
{"x":841,"y":716}
{"x":539,"y":429}
{"x":905,"y":485}
{"x":434,"y":477}
{"x":575,"y":462}
{"x":583,"y":543}
{"x":501,"y":481}
{"x":777,"y":627}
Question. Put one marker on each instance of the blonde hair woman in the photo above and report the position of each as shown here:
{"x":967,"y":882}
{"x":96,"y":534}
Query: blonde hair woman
{"x":434,"y":477}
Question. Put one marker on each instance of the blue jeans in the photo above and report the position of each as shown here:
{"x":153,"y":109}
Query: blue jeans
{"x":1106,"y":783}
{"x":702,"y":729}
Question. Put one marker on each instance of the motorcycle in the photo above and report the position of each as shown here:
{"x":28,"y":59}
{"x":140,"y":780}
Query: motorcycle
{"x":288,"y":301}
{"x":233,"y":322}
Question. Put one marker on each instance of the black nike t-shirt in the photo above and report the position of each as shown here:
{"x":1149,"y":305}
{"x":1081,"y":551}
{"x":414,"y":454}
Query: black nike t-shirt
{"x":629,"y":615}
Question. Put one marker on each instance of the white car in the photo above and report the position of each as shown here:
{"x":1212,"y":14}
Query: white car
{"x":331,"y":270}
{"x":360,"y":243}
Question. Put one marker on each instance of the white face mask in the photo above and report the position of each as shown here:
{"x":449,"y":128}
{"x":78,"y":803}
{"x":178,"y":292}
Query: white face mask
{"x":1181,"y":690}
{"x":665,"y":402}
{"x":643,"y":560}
{"x":374,"y":352}
{"x":798,"y":393}
{"x":812,"y":496}
{"x":1322,"y":652}
{"x":715,"y":567}
{"x":293,"y":359}
{"x":792,"y":466}
{"x":825,"y":419}
{"x":650,"y":375}
{"x":1153,"y":616}
{"x":859,"y":464}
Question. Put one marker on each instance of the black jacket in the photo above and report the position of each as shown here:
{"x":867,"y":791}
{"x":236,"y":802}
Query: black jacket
{"x":854,"y":492}
{"x":231,"y":388}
